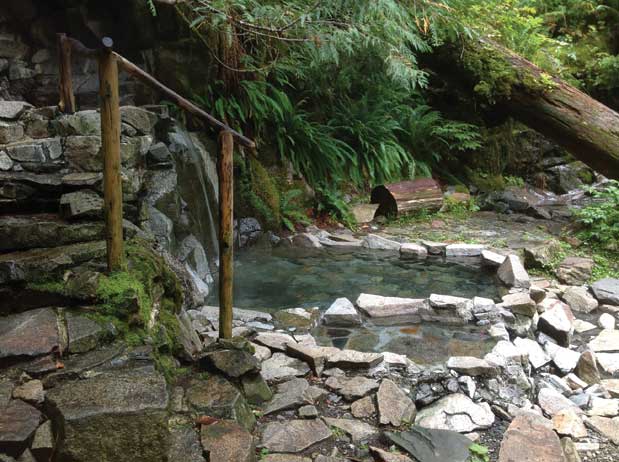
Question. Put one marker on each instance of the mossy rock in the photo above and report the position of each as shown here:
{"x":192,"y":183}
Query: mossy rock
{"x":257,"y":193}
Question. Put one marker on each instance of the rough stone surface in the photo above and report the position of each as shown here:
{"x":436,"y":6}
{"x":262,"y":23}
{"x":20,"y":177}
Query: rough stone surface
{"x":557,"y":323}
{"x":587,"y":368}
{"x":359,"y":431}
{"x":537,"y":357}
{"x":456,"y":412}
{"x":530,"y":437}
{"x":351,"y":359}
{"x":609,"y":362}
{"x":612,"y":386}
{"x":520,"y":303}
{"x":376,"y":242}
{"x":463,"y":250}
{"x":606,"y":426}
{"x":604,"y":407}
{"x":29,"y":334}
{"x":294,"y":436}
{"x":394,"y":406}
{"x":11,"y":110}
{"x":579,"y":299}
{"x":279,"y":367}
{"x":18,"y":421}
{"x":563,"y":358}
{"x":130,"y":405}
{"x":413,"y":251}
{"x":31,"y":392}
{"x":568,"y":423}
{"x":233,"y":363}
{"x":513,"y":274}
{"x":276,"y":341}
{"x":392,"y":309}
{"x":607,"y":341}
{"x":606,"y":291}
{"x":314,"y":356}
{"x":575,"y":271}
{"x":84,"y":333}
{"x":552,"y":402}
{"x":351,"y":387}
{"x":184,"y":444}
{"x":492,"y":259}
{"x":81,"y":204}
{"x":290,"y":395}
{"x":469,"y":365}
{"x":363,"y":408}
{"x":255,"y":389}
{"x":342,"y":313}
{"x":388,"y":456}
{"x":44,"y":442}
{"x":569,"y":450}
{"x":227,"y":441}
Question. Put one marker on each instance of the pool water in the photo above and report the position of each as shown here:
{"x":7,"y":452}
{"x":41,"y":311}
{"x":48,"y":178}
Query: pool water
{"x":267,"y":279}
{"x":272,"y":279}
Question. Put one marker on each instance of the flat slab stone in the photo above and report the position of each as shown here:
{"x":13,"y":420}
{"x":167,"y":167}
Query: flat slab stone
{"x":18,"y":422}
{"x":342,"y":313}
{"x":351,"y":387}
{"x":530,"y":437}
{"x":276,"y":341}
{"x":352,"y":359}
{"x":519,"y":303}
{"x":233,"y":363}
{"x":394,"y":406}
{"x":607,"y":341}
{"x":537,"y":356}
{"x":410,"y":250}
{"x":606,"y":291}
{"x":363,"y":408}
{"x":238,"y":314}
{"x":29,"y":334}
{"x":364,"y":213}
{"x":434,"y":248}
{"x":294,"y":436}
{"x":358,"y":430}
{"x":604,"y":407}
{"x":11,"y":110}
{"x":290,"y":395}
{"x":314,"y":356}
{"x":469,"y":365}
{"x":227,"y":441}
{"x":606,"y":426}
{"x":609,"y":362}
{"x":431,"y":445}
{"x":279,"y":367}
{"x":392,"y":309}
{"x":284,"y":458}
{"x":581,"y":326}
{"x":376,"y":242}
{"x":612,"y":386}
{"x":131,"y":405}
{"x":579,"y":299}
{"x":552,"y":402}
{"x":568,"y":423}
{"x":492,"y":259}
{"x":84,"y":333}
{"x":464,"y":250}
{"x":456,"y":412}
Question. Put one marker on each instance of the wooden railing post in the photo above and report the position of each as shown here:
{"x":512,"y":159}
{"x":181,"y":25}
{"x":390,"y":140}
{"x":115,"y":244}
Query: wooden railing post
{"x":226,"y":205}
{"x":110,"y":141}
{"x":65,"y":81}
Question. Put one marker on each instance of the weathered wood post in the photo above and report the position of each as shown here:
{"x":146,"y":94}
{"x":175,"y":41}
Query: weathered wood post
{"x":226,"y":231}
{"x":65,"y":81}
{"x":110,"y":141}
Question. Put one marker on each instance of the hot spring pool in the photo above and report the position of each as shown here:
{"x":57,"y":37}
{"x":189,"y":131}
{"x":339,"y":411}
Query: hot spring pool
{"x":271,"y":279}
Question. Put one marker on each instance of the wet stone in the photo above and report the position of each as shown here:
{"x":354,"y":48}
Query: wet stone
{"x":18,"y":421}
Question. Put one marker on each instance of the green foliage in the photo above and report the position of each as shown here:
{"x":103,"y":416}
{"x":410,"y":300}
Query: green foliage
{"x":513,"y":181}
{"x":257,"y":193}
{"x":479,"y":453}
{"x":331,"y":202}
{"x":458,"y":208}
{"x":292,"y":212}
{"x":152,"y":7}
{"x":600,"y":220}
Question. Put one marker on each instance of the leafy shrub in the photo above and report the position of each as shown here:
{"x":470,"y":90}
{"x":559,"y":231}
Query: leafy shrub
{"x":600,"y":220}
{"x":291,"y":210}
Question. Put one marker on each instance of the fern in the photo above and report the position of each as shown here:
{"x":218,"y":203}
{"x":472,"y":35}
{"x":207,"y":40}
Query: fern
{"x":152,"y":7}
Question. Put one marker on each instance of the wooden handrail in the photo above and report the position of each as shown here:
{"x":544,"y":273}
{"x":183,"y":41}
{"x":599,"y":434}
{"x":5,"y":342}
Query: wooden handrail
{"x":144,"y":77}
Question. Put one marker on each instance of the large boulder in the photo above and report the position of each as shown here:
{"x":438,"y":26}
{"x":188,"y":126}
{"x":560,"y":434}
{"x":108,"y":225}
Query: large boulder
{"x":579,"y":299}
{"x":513,"y":274}
{"x":606,"y":291}
{"x":557,"y":322}
{"x":129,"y":405}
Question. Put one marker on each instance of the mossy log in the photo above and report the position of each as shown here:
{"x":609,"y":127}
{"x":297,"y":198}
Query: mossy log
{"x":507,"y":82}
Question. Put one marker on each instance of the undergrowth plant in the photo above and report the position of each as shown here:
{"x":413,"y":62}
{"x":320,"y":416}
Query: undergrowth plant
{"x":600,"y":220}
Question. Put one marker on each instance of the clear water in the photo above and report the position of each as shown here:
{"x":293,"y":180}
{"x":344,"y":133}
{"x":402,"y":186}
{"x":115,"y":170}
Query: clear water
{"x":272,"y":279}
{"x":268,"y":279}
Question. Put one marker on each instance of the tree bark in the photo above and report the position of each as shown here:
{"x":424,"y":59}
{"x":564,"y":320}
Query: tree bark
{"x":586,"y":128}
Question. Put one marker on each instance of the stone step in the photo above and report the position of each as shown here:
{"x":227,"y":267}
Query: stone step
{"x":24,"y":232}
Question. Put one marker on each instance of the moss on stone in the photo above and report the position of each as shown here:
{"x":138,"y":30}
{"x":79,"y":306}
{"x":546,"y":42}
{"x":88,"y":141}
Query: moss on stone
{"x":257,"y":193}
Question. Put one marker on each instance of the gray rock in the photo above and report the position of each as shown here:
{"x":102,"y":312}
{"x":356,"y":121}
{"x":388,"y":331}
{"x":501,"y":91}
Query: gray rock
{"x":12,"y":110}
{"x":290,"y":395}
{"x":184,"y":444}
{"x":409,"y":250}
{"x":342,"y":313}
{"x":388,"y":456}
{"x":464,"y":250}
{"x":568,"y":423}
{"x":255,"y":389}
{"x":456,"y":412}
{"x":537,"y":357}
{"x":607,"y":341}
{"x":542,"y":256}
{"x":233,"y":363}
{"x":279,"y":367}
{"x":579,"y":299}
{"x":84,"y":333}
{"x":306,"y":240}
{"x":430,"y":445}
{"x":294,"y":436}
{"x":140,"y":119}
{"x":276,"y":341}
{"x":469,"y":365}
{"x":359,"y":431}
{"x":29,"y":334}
{"x":492,"y":259}
{"x":520,"y":303}
{"x":308,"y":412}
{"x":556,"y":322}
{"x":314,"y":356}
{"x":81,"y":204}
{"x":462,"y":307}
{"x":238,"y":314}
{"x":18,"y":422}
{"x":606,"y":427}
{"x":131,"y":406}
{"x":530,"y":437}
{"x":286,"y":458}
{"x":392,"y":309}
{"x":363,"y":408}
{"x":513,"y":274}
{"x":32,"y":392}
{"x":83,"y":153}
{"x":6,"y":163}
{"x":82,"y":123}
{"x":351,"y":387}
{"x":607,"y":321}
{"x":563,"y":358}
{"x":609,"y":362}
{"x":44,"y":442}
{"x":227,"y":441}
{"x":394,"y":406}
{"x":434,"y":248}
{"x":10,"y":132}
{"x":351,"y":359}
{"x":606,"y":291}
{"x":219,"y":398}
{"x":587,"y":368}
{"x":575,"y":271}
{"x":376,"y":242}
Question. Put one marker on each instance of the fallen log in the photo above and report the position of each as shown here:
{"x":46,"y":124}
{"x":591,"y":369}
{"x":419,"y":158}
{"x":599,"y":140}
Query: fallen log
{"x":407,"y":196}
{"x":505,"y":81}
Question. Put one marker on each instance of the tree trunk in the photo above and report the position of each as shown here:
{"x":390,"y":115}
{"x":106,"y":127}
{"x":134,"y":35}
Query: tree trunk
{"x":582,"y":125}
